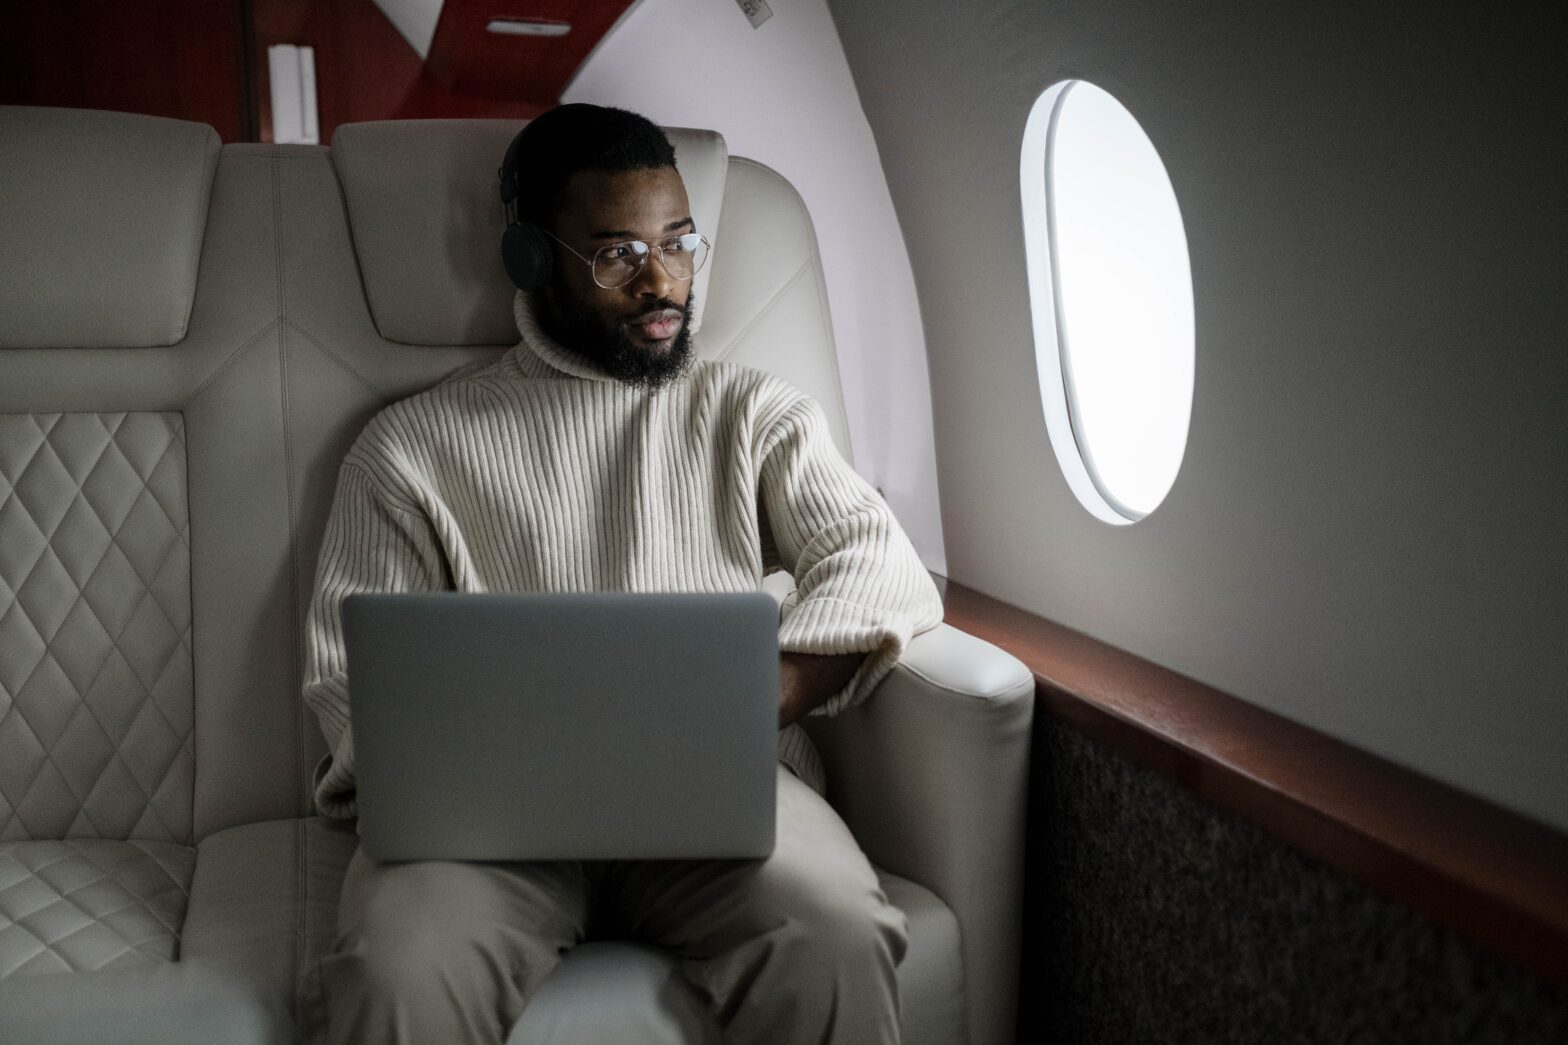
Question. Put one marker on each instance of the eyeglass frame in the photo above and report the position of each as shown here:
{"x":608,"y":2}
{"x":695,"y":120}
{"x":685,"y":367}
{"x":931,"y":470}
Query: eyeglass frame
{"x":592,"y":262}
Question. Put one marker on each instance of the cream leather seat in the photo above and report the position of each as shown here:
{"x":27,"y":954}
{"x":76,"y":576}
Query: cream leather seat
{"x":190,"y":337}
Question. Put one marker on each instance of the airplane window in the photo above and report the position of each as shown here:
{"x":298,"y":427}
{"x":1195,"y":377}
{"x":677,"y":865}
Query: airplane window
{"x":1111,"y":294}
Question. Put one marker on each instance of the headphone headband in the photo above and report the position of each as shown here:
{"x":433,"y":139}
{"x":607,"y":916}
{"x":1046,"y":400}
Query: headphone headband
{"x":508,"y":171}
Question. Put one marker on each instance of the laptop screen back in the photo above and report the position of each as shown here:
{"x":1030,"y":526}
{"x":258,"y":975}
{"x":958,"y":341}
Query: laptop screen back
{"x":576,"y":726}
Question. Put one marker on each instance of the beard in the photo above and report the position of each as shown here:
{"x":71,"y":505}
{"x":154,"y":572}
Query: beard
{"x":609,"y":348}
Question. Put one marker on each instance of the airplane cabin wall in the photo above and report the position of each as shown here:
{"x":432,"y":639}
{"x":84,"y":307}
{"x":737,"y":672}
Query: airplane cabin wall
{"x":782,"y":94}
{"x":1367,"y":534}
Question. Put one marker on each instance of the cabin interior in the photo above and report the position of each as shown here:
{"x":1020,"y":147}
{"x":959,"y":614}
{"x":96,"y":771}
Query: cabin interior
{"x":1272,"y":748}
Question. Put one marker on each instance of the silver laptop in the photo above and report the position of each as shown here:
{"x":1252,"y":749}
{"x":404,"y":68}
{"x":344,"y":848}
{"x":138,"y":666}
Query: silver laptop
{"x":543,"y":727}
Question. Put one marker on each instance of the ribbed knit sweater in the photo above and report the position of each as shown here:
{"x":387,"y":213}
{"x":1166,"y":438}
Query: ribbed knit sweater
{"x":538,"y":473}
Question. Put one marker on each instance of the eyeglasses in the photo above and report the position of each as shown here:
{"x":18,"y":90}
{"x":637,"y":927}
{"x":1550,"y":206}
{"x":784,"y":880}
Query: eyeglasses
{"x":617,"y":264}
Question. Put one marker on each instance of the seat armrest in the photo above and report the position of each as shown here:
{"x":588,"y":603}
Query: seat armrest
{"x":931,"y":774}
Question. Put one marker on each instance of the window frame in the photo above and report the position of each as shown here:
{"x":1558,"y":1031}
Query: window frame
{"x":1053,"y":360}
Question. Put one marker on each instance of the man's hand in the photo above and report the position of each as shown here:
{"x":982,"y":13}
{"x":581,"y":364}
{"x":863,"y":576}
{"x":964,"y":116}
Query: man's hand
{"x":806,"y":681}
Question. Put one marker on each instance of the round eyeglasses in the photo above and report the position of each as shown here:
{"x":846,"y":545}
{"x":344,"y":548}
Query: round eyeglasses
{"x":617,"y":264}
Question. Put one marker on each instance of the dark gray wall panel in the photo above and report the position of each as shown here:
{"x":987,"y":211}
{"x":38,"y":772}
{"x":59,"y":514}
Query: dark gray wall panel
{"x":1150,"y":917}
{"x":1367,"y":534}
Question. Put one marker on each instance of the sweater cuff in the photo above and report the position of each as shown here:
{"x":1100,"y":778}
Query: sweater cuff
{"x":826,"y":627}
{"x":336,"y":796}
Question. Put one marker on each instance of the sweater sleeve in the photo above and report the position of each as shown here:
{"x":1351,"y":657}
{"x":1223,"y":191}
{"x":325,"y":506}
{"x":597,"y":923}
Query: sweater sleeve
{"x":372,"y":544}
{"x":860,"y":586}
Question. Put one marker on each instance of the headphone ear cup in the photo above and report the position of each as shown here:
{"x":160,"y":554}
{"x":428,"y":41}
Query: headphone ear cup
{"x":525,"y":251}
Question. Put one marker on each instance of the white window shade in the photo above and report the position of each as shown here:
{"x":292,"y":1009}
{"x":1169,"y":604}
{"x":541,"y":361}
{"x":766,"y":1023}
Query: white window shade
{"x":1111,"y":293}
{"x":291,"y":74}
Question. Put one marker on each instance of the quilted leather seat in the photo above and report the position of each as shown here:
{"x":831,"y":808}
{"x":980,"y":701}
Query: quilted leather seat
{"x":190,"y":337}
{"x":91,"y":903}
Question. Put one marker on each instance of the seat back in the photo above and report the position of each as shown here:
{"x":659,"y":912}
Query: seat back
{"x":104,"y":217}
{"x":191,"y":336}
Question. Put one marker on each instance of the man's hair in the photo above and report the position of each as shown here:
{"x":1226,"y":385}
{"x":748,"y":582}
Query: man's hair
{"x":571,"y":138}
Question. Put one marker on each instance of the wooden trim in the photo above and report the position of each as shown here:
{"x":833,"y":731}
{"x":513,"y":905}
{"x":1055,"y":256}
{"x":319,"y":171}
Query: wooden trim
{"x":1490,"y":875}
{"x":174,"y":58}
{"x":365,"y":70}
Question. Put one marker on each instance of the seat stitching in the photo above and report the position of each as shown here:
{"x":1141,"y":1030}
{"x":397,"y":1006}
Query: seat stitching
{"x":114,"y":538}
{"x":146,"y":479}
{"x":766,"y":308}
{"x":302,"y":899}
{"x":147,"y":697}
{"x":294,"y":579}
{"x":81,"y":802}
{"x":158,"y":862}
{"x":45,"y":947}
{"x":106,"y":874}
{"x":54,"y":946}
{"x":84,"y":705}
{"x":339,"y":360}
{"x":288,"y":490}
{"x":228,"y":361}
{"x":178,"y":630}
{"x":49,"y":537}
{"x":22,"y":612}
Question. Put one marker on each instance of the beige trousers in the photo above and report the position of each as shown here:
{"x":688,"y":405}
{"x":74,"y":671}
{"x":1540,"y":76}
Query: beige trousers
{"x":800,"y":947}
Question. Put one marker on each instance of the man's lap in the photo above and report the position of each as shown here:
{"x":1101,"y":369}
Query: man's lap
{"x":695,"y":907}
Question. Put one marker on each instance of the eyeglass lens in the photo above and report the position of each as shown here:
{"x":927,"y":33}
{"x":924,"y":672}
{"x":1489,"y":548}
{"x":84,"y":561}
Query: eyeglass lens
{"x":618,"y":264}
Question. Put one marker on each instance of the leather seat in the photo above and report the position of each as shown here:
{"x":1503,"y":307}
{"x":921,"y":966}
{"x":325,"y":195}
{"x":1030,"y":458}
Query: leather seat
{"x":191,"y":335}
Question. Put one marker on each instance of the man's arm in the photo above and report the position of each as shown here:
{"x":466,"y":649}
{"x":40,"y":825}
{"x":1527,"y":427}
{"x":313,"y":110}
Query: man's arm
{"x":860,"y":588}
{"x":372,"y":544}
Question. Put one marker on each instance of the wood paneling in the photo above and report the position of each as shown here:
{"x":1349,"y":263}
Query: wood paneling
{"x":207,"y":60}
{"x":365,"y":70}
{"x":468,"y":58}
{"x":1490,"y":875}
{"x":177,"y":58}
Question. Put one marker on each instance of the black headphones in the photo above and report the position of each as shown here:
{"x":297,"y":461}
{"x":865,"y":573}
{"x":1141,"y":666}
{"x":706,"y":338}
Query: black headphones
{"x":525,"y":249}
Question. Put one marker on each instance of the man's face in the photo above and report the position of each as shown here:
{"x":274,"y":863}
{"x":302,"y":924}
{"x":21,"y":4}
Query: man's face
{"x":637,"y":332}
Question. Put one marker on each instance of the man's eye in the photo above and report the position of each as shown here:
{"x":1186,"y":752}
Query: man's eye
{"x":619,"y":252}
{"x":675,"y":246}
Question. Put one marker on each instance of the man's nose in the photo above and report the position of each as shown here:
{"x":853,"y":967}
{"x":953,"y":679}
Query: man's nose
{"x":654,"y":280}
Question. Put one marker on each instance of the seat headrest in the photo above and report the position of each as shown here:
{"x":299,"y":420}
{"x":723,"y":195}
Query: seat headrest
{"x":425,"y":211}
{"x":103,"y":215}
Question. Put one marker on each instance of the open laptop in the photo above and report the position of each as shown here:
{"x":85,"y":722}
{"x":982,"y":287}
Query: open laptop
{"x":542,"y":727}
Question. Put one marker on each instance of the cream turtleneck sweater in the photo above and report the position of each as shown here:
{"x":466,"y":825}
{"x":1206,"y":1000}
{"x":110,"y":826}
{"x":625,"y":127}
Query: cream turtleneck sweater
{"x":538,"y":473}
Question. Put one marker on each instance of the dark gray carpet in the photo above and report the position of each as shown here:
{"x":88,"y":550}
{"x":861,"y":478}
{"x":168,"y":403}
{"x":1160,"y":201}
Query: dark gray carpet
{"x":1151,"y":917}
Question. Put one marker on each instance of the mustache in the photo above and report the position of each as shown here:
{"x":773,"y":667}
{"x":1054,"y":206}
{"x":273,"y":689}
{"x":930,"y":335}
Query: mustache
{"x":658,"y":310}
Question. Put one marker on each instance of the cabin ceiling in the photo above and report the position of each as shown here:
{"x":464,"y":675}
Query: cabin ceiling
{"x":415,"y":19}
{"x":509,"y":50}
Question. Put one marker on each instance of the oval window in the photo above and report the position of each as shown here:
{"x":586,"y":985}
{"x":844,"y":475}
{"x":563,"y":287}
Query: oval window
{"x":1110,"y":288}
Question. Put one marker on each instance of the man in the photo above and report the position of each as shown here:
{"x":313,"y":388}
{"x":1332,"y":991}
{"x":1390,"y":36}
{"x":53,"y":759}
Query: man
{"x":600,"y":455}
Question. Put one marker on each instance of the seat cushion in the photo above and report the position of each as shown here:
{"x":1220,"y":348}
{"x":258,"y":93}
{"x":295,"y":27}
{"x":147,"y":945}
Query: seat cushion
{"x":605,"y":993}
{"x":264,"y":904}
{"x":169,"y":1003}
{"x":80,"y":904}
{"x":262,"y":907}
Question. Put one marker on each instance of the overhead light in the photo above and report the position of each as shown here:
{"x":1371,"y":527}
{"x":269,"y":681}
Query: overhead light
{"x":522,"y":27}
{"x":292,"y":71}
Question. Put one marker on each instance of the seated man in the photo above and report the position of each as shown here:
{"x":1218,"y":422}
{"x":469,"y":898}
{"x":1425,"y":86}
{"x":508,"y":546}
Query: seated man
{"x":599,"y":455}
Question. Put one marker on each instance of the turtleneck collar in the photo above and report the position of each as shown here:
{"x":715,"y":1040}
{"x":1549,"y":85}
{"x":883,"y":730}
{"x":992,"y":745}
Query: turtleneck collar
{"x":538,"y":347}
